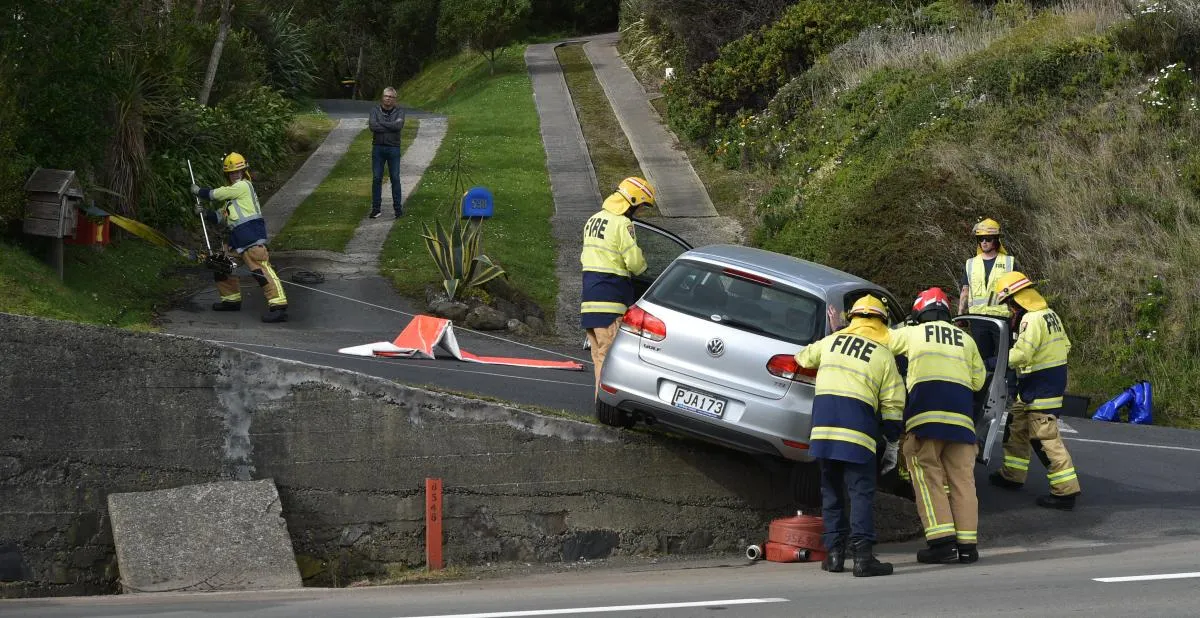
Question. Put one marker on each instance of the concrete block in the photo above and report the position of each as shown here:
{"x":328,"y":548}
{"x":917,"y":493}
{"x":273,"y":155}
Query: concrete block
{"x":215,"y":536}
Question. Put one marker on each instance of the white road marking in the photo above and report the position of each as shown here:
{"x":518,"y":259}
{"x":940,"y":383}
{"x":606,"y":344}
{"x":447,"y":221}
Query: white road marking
{"x":1063,"y":427}
{"x":1169,"y":448}
{"x":1146,"y":578}
{"x":611,"y":608}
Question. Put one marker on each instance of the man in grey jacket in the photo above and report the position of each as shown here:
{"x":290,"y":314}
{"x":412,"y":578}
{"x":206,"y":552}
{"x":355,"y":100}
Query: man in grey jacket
{"x":386,"y":122}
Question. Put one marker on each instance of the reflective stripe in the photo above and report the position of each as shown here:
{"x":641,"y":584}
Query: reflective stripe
{"x":842,"y":434}
{"x":932,"y":530}
{"x":922,"y":489}
{"x":596,"y":306}
{"x":605,"y":248}
{"x":232,"y":298}
{"x":610,"y":271}
{"x":1046,"y":403}
{"x":967,"y":536}
{"x":1016,"y":463}
{"x":1049,"y":365}
{"x":948,"y":418}
{"x":280,"y":296}
{"x":1065,"y":476}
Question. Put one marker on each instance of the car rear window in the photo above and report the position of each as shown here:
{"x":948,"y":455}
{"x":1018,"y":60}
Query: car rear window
{"x":740,"y":300}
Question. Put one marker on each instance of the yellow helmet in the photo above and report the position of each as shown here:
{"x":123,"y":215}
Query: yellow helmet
{"x":987,"y":227}
{"x":1009,"y":284}
{"x":234,"y":162}
{"x":868,"y":307}
{"x":636,"y":191}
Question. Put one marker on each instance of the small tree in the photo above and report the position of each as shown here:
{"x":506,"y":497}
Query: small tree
{"x":485,"y":26}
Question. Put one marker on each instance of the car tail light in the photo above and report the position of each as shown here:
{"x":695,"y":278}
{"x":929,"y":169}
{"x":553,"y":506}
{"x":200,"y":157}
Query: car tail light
{"x":785,"y":366}
{"x":641,"y":323}
{"x":611,"y":390}
{"x":796,"y":445}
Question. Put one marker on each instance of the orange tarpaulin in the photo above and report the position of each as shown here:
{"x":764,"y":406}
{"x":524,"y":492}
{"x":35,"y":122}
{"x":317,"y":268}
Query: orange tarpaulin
{"x":425,"y":332}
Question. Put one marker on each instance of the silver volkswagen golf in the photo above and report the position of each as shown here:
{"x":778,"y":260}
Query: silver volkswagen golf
{"x":709,"y":349}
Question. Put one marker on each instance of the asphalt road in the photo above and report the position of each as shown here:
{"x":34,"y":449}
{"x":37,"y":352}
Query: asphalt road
{"x":1055,"y":580}
{"x":350,"y":311}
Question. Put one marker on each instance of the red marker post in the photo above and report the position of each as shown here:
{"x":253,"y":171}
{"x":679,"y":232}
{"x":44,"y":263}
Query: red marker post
{"x":433,"y":524}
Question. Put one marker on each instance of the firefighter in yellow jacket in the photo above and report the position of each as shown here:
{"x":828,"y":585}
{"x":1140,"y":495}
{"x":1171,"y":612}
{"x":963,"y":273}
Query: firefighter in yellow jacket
{"x":859,"y":393}
{"x":991,"y":261}
{"x":242,"y":214}
{"x":1040,"y":358}
{"x":610,"y":258}
{"x":944,"y":371}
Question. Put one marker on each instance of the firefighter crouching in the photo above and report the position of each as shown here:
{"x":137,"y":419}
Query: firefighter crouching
{"x":242,"y":214}
{"x":610,"y":258}
{"x":857,"y":388}
{"x":1040,"y":358}
{"x":944,"y":371}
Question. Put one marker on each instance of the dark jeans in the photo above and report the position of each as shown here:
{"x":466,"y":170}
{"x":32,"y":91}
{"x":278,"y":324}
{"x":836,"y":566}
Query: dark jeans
{"x":858,"y":480}
{"x":391,"y":156}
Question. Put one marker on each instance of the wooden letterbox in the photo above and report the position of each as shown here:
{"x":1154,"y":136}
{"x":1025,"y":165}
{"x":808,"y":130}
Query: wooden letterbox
{"x":51,"y":196}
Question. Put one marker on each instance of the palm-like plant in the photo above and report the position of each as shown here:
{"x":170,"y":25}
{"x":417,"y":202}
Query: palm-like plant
{"x":456,"y":254}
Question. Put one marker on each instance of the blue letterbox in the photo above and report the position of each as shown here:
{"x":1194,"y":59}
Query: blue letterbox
{"x":477,"y":202}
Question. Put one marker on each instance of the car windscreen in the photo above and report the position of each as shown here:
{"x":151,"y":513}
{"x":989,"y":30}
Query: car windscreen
{"x":740,"y":300}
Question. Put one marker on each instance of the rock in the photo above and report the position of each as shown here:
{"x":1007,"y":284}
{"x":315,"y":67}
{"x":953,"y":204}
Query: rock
{"x":517,"y":327}
{"x":216,"y":536}
{"x":435,"y":294}
{"x":508,"y":308}
{"x":536,"y":324}
{"x":450,"y":309}
{"x":528,"y":307}
{"x":483,"y":317}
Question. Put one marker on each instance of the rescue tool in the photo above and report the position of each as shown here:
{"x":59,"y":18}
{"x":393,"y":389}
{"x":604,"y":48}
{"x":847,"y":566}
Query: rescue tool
{"x":218,"y":263}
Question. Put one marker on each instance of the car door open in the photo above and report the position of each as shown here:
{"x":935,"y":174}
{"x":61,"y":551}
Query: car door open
{"x":660,"y":248}
{"x":991,"y":404}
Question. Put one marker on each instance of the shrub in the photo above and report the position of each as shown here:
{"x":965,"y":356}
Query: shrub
{"x":456,"y":253}
{"x":752,"y":68}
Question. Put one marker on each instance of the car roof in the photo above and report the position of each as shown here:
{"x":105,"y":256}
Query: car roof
{"x":803,"y":274}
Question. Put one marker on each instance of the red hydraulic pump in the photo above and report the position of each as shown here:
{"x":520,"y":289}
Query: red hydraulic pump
{"x":791,"y":539}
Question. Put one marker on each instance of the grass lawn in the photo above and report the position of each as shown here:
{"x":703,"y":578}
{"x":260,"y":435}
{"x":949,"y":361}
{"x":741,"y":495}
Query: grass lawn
{"x":328,"y":217}
{"x":305,"y":134}
{"x":609,"y":148}
{"x":121,"y":286}
{"x":493,"y":121}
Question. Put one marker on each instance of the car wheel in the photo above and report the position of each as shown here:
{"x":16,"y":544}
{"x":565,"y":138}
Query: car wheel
{"x":614,"y":417}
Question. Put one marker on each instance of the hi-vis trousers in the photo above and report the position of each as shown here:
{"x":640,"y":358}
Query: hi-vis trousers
{"x":258,"y":261}
{"x":1038,"y":432}
{"x":943,"y":479}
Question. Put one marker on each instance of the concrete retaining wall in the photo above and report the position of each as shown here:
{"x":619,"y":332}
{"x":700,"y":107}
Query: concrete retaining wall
{"x":86,"y":411}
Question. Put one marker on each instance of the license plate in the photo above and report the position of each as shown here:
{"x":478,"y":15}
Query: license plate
{"x":701,"y":403}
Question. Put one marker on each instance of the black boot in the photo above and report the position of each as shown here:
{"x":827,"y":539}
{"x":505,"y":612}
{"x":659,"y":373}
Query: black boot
{"x":968,"y":553}
{"x":835,"y":560}
{"x":941,"y":551}
{"x":225,"y":305}
{"x":998,"y":480}
{"x":1062,"y":503}
{"x":865,"y":562}
{"x":275,"y":314}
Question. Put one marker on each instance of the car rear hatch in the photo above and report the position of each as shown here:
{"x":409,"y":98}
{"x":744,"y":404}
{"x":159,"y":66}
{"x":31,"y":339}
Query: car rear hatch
{"x":723,"y":325}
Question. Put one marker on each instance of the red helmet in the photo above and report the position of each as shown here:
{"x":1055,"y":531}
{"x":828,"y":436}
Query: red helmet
{"x":933,"y":298}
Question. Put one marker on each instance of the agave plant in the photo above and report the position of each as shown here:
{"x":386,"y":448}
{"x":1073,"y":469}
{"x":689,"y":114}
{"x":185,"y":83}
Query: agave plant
{"x":456,"y":254}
